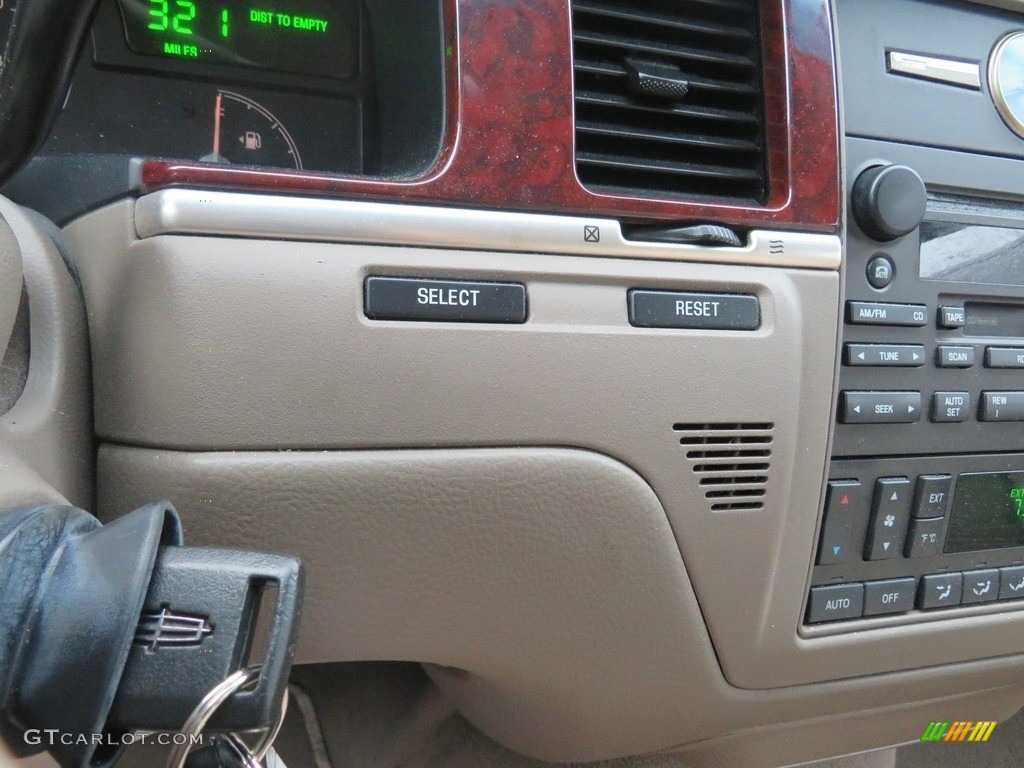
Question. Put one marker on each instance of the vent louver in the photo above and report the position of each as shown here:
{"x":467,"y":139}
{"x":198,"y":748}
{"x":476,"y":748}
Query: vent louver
{"x":669,"y":98}
{"x":731,"y":461}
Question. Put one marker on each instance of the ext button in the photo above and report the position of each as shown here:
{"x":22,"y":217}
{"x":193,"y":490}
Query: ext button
{"x":880,"y":407}
{"x":1004,"y":357}
{"x":954,"y":357}
{"x":1011,"y":582}
{"x":890,"y":512}
{"x":931,"y":499}
{"x":835,"y":601}
{"x":981,"y":586}
{"x":901,"y":355}
{"x":925,"y":536}
{"x":889,"y":596}
{"x":950,"y":406}
{"x":940,"y":590}
{"x":845,"y":503}
{"x":1001,"y":406}
{"x":704,"y":311}
{"x":402,"y":298}
{"x":878,"y":313}
{"x":952,"y":317}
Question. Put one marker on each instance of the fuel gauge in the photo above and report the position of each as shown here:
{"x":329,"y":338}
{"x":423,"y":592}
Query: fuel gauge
{"x":247,"y":133}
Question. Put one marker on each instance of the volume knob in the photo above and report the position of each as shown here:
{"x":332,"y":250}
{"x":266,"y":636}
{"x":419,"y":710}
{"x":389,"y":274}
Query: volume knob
{"x":889,"y":201}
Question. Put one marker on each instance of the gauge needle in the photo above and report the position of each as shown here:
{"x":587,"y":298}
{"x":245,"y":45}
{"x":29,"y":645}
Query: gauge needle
{"x":216,"y":126}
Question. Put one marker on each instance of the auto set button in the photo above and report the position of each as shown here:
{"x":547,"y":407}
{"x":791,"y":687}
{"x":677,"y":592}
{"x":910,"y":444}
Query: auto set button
{"x":950,"y":407}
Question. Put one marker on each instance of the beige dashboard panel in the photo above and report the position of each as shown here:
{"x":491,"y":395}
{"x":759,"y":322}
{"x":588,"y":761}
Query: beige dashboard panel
{"x":544,"y":589}
{"x":205,"y":343}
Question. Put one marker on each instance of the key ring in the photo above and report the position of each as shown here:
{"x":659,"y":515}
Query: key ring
{"x":209,"y":705}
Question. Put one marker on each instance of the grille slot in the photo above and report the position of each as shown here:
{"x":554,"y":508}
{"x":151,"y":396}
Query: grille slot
{"x":730,"y":460}
{"x":708,"y":143}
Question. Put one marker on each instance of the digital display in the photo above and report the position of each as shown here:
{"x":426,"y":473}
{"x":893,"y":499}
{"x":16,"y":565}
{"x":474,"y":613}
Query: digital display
{"x":972,"y":254}
{"x":313,"y":37}
{"x":988,"y":512}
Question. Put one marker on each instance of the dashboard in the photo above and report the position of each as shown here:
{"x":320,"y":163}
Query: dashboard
{"x":648,"y":372}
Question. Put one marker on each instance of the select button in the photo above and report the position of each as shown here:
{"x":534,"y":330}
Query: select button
{"x":703,"y":311}
{"x":403,"y":298}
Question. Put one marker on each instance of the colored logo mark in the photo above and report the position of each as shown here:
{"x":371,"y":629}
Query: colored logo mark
{"x":959,"y":730}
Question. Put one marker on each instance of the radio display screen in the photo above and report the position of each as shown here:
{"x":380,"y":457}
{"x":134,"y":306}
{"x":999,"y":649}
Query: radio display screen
{"x":988,"y":512}
{"x":305,"y":37}
{"x":968,"y":253}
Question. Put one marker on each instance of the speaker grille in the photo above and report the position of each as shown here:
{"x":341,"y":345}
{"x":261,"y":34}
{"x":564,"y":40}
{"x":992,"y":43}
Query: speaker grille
{"x":731,"y":460}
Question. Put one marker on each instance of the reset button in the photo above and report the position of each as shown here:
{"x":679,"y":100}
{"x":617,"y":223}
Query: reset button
{"x":704,"y":311}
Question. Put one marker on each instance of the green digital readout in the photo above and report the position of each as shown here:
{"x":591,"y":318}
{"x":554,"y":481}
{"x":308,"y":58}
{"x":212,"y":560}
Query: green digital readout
{"x":987,"y":512}
{"x":314,"y":37}
{"x":1017,"y":496}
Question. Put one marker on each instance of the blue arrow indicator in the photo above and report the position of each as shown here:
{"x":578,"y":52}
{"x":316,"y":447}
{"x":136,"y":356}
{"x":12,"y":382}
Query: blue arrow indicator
{"x":835,"y":550}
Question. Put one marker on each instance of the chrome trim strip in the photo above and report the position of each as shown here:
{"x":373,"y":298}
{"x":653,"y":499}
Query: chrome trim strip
{"x":233,"y":214}
{"x":963,"y":73}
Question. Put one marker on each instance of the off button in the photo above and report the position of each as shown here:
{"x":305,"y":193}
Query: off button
{"x":459,"y":301}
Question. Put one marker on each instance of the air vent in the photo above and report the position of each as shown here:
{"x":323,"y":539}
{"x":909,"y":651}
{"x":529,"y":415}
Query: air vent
{"x":731,"y":461}
{"x":669,"y":98}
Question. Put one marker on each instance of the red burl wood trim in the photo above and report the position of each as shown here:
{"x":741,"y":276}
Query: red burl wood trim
{"x":509,"y":141}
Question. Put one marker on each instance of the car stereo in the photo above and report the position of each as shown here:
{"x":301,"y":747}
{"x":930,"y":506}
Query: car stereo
{"x":924,"y":507}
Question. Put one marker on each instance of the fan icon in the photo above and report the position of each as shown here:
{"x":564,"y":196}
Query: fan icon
{"x":890,"y":521}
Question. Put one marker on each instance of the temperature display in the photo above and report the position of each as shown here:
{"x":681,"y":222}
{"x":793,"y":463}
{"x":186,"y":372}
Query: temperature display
{"x":312,"y":37}
{"x":988,"y":512}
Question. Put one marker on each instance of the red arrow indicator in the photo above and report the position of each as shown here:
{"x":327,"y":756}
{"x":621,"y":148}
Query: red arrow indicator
{"x":845,"y":499}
